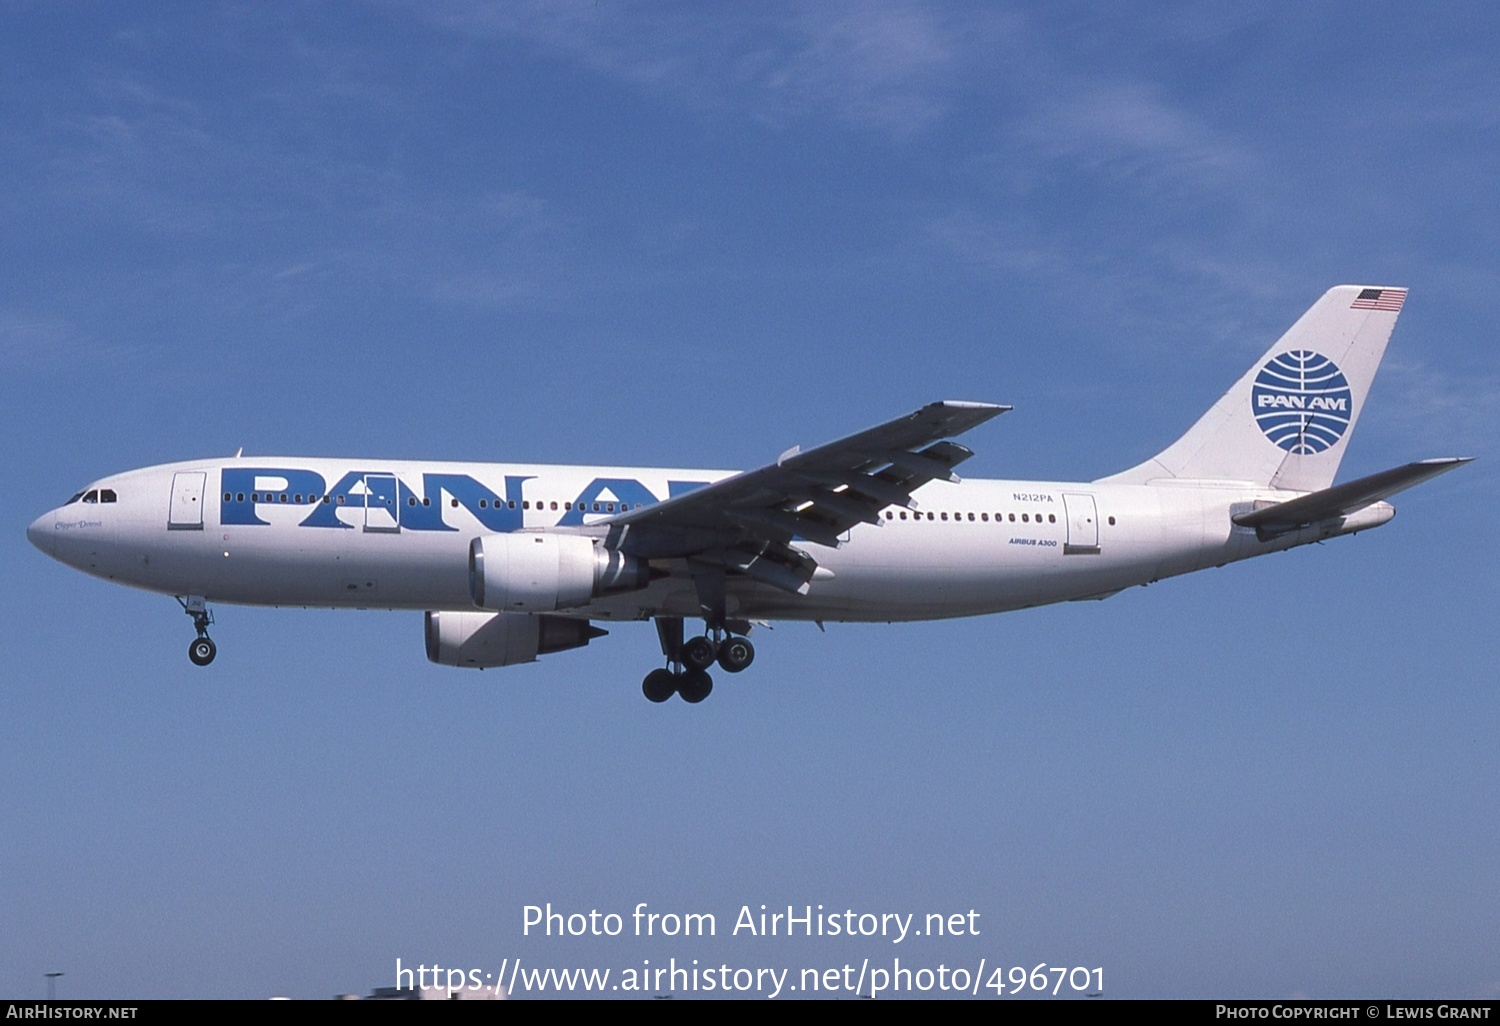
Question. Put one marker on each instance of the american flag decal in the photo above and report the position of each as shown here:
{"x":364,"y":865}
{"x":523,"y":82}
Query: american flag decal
{"x":1379,"y":299}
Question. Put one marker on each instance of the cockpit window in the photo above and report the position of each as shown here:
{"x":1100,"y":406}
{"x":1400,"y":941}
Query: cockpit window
{"x":94,"y":495}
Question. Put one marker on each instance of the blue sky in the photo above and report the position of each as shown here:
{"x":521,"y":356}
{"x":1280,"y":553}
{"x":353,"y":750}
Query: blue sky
{"x":649,"y":234}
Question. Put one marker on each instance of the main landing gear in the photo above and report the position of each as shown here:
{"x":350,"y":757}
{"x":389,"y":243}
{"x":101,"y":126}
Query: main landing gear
{"x":202,"y":650}
{"x":686,"y":673}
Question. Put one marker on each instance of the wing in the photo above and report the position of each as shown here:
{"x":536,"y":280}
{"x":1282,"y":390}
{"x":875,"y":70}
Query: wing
{"x":750,"y":523}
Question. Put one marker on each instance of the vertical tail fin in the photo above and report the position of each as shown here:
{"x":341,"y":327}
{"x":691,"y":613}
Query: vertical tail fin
{"x":1287,"y":422}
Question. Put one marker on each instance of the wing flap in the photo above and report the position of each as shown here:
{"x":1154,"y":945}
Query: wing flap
{"x":779,"y":566}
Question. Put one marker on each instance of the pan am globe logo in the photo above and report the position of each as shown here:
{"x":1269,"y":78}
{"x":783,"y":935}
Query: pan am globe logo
{"x":1302,"y":401}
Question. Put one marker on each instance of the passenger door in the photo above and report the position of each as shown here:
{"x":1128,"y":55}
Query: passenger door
{"x":186,"y":511}
{"x":380,"y":503}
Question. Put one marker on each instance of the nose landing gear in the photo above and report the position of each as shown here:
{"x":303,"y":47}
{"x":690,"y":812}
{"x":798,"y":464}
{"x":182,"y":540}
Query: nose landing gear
{"x":202,"y":649}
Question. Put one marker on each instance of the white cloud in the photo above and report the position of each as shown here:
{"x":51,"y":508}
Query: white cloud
{"x":882,"y":65}
{"x":1127,"y":129}
{"x":1438,"y":412}
{"x":42,"y":344}
{"x":885,"y":65}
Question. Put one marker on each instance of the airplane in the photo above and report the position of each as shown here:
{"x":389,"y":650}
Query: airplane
{"x":511,"y":562}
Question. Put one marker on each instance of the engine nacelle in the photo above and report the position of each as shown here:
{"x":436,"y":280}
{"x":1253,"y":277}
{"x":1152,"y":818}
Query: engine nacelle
{"x":501,"y":639}
{"x":537,"y":572}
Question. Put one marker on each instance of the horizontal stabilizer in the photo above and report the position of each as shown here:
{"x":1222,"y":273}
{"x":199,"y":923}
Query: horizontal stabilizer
{"x":1341,"y":500}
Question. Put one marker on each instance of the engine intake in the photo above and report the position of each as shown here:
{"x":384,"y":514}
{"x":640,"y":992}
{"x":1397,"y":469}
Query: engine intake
{"x":538,"y":572}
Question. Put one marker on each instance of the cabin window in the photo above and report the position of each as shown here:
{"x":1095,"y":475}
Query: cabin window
{"x":1111,"y":521}
{"x":1051,"y":518}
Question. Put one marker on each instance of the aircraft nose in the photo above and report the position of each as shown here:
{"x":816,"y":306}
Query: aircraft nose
{"x":41,"y":534}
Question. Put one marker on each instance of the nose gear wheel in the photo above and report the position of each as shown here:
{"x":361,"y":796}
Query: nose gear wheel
{"x":202,"y":649}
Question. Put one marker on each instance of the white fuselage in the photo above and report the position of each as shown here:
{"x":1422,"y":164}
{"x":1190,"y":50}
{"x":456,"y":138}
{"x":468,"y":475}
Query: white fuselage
{"x":396,"y":535}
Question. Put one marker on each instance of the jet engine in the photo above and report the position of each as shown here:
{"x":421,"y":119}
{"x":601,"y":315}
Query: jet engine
{"x":501,"y":639}
{"x":537,"y":572}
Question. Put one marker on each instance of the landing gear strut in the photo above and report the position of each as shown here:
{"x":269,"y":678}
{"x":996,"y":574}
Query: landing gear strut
{"x":688,"y":661}
{"x":202,"y":650}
